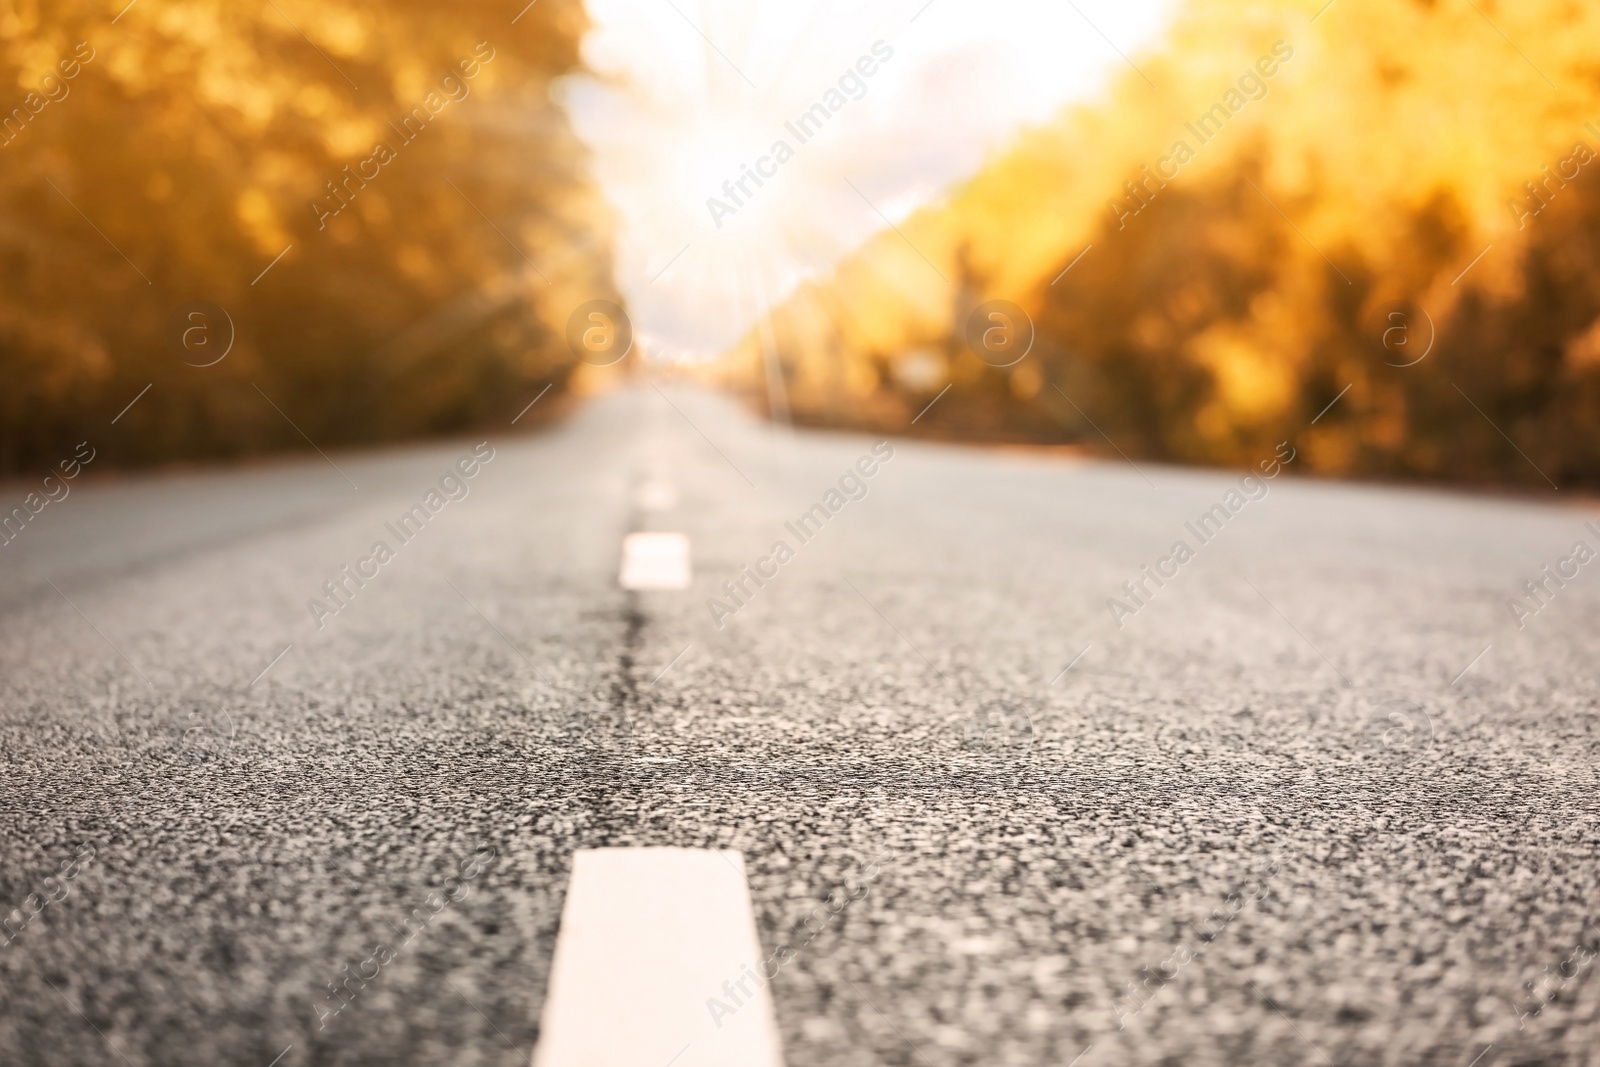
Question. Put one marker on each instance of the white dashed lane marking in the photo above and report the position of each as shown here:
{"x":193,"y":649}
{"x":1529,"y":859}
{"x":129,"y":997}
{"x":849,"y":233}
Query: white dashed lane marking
{"x":656,"y":495}
{"x":657,"y":961}
{"x":655,"y":561}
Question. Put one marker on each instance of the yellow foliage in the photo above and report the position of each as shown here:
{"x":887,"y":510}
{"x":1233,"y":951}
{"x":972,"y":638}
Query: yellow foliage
{"x":1234,"y":266}
{"x":210,"y":150}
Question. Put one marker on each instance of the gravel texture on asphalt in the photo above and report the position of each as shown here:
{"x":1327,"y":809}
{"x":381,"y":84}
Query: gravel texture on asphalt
{"x":1282,"y":808}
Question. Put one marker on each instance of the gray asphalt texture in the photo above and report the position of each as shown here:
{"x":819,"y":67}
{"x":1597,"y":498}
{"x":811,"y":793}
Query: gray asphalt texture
{"x":1281,"y":816}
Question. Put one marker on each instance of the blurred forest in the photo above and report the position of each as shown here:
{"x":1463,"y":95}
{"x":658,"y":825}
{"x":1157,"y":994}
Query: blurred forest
{"x":1223,"y":310}
{"x":169,"y":153}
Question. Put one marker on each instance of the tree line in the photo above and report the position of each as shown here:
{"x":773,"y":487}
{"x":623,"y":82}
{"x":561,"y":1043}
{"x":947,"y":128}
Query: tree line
{"x":192,"y":202}
{"x":1384,"y":250}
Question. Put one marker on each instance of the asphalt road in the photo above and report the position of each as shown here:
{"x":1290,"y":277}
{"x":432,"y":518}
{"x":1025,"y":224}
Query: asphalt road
{"x":1288,"y":812}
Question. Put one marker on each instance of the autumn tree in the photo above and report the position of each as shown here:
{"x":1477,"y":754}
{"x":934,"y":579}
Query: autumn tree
{"x":381,"y":197}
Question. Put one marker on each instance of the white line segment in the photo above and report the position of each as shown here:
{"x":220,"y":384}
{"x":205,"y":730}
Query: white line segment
{"x":655,"y":561}
{"x":274,"y":263}
{"x":657,"y":494}
{"x":132,"y":402}
{"x":658,"y":961}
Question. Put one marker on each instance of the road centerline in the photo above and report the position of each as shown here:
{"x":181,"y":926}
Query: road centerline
{"x":655,"y":561}
{"x":658,"y":952}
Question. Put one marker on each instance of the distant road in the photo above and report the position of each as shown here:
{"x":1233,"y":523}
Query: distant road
{"x":1312,"y":797}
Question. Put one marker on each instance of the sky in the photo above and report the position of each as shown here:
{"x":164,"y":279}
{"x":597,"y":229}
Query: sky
{"x":687,"y":97}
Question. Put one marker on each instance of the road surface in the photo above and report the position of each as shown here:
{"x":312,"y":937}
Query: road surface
{"x":1314,"y":797}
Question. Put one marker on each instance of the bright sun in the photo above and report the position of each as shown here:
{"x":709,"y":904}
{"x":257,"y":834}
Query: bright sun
{"x":713,"y":153}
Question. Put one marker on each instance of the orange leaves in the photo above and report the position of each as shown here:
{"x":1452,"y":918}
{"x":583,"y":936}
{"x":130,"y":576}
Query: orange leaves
{"x":1228,"y":296}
